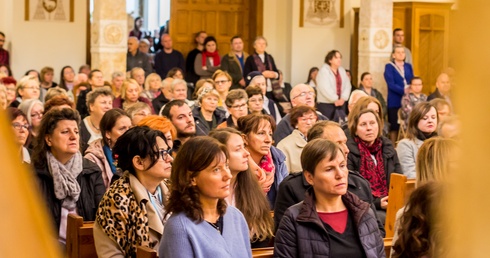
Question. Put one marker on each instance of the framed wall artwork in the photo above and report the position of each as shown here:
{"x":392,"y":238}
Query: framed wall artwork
{"x":49,"y":10}
{"x":321,"y":13}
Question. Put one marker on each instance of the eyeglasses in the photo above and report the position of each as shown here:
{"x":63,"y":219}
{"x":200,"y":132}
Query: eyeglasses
{"x":18,"y":126}
{"x":304,"y":93}
{"x":32,"y":88}
{"x":38,"y":115}
{"x":238,"y":107}
{"x":164,"y":154}
{"x":11,"y":89}
{"x":255,"y":100}
{"x":221,"y":82}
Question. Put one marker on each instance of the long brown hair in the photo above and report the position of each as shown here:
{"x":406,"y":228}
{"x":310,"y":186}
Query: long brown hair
{"x":249,"y":196}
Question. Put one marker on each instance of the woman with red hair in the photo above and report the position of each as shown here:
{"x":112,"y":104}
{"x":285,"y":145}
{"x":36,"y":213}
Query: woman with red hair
{"x":161,"y":124}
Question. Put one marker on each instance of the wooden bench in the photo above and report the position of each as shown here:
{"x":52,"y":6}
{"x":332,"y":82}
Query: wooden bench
{"x":399,"y":192}
{"x":80,"y":238}
{"x":388,"y":242}
{"x":145,"y":252}
{"x":266,"y":252}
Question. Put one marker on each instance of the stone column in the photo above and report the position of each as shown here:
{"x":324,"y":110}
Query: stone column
{"x":375,"y":37}
{"x":109,"y":36}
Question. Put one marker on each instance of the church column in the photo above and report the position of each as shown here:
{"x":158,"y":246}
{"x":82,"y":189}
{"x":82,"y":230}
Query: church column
{"x":375,"y":37}
{"x":109,"y":37}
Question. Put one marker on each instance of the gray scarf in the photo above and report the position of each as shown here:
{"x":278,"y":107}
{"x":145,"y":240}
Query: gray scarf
{"x":66,"y":187}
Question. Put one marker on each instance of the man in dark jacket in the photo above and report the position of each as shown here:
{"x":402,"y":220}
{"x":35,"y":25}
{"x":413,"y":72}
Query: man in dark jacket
{"x":293,"y":187}
{"x":164,"y":97}
{"x":168,"y":58}
{"x":234,"y":61}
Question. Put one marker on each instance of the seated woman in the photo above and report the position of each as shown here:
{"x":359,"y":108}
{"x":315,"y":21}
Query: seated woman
{"x":60,"y":101}
{"x":422,"y":125}
{"x":33,"y":110}
{"x":245,"y":189}
{"x":302,"y":118}
{"x":372,"y":155}
{"x":99,"y":101}
{"x":368,"y":102}
{"x":208,"y":83}
{"x":236,"y":102}
{"x":209,"y":60}
{"x":153,"y":83}
{"x":421,"y":227}
{"x":269,"y":163}
{"x":112,"y":125}
{"x":163,"y":125}
{"x":366,"y":85}
{"x":132,"y":211}
{"x":68,"y":182}
{"x":206,"y":114}
{"x":330,"y":222}
{"x":411,"y":98}
{"x":21,"y":132}
{"x":222,"y":83}
{"x":27,"y":88}
{"x":202,"y":224}
{"x":130,"y":94}
{"x":138,"y":111}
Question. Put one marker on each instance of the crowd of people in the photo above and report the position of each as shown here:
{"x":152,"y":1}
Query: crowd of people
{"x":190,"y":156}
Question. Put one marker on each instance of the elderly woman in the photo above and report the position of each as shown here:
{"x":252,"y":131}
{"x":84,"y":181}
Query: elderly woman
{"x":178,"y":89}
{"x":137,"y":112}
{"x":367,"y":86}
{"x":68,"y":182}
{"x":263,"y":63}
{"x":208,"y":83}
{"x":255,"y":100}
{"x":161,"y":124}
{"x":302,"y":119}
{"x":99,"y":101}
{"x":153,"y":83}
{"x":132,"y":211}
{"x":202,"y":224}
{"x":27,"y":88}
{"x":209,"y":60}
{"x":222,"y":83}
{"x":245,"y":189}
{"x":113,"y":124}
{"x":372,"y":155}
{"x":270,"y":107}
{"x":236,"y":101}
{"x":34,"y":110}
{"x":269,"y":162}
{"x":330,"y":222}
{"x":21,"y":132}
{"x":130,"y":94}
{"x":333,"y":87}
{"x":422,"y":125}
{"x":206,"y":114}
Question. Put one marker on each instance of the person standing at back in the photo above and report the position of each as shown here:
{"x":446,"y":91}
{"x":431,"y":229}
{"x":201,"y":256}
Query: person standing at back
{"x":398,"y":39}
{"x":168,"y":57}
{"x":4,"y":54}
{"x":234,"y":61}
{"x":191,"y":75}
{"x":136,"y":58}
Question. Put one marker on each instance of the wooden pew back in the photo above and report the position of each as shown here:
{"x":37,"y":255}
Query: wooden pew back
{"x":399,"y":192}
{"x":266,"y":252}
{"x":145,"y":252}
{"x":80,"y":238}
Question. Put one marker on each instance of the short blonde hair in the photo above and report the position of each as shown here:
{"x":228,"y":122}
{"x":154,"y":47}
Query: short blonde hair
{"x":177,"y":82}
{"x":23,"y":82}
{"x":203,"y":92}
{"x":125,"y":86}
{"x":151,"y":76}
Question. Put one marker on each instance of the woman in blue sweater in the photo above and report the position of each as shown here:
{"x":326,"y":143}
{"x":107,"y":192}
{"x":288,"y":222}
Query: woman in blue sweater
{"x":201,"y":224}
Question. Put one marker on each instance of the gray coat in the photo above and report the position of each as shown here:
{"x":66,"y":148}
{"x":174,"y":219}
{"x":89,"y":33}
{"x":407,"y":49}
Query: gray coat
{"x":407,"y":154}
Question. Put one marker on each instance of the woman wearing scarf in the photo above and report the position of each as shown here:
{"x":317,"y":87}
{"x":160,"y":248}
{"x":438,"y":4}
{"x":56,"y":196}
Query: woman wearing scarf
{"x":268,"y":161}
{"x":208,"y":61}
{"x":422,"y":125}
{"x":113,"y":124}
{"x":372,"y":155}
{"x":68,"y":182}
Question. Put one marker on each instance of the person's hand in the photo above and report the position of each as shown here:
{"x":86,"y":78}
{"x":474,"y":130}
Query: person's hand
{"x":269,"y":74}
{"x":384,"y":202}
{"x":242,"y":82}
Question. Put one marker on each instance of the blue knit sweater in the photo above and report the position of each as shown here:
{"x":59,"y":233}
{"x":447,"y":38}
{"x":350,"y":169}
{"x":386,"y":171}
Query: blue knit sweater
{"x":182,"y":237}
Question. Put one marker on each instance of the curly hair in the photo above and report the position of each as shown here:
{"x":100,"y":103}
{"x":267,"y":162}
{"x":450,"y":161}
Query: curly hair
{"x":194,"y":156}
{"x":420,"y":227}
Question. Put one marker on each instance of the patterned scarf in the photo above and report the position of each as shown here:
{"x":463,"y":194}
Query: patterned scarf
{"x":122,"y":218}
{"x":373,"y":172}
{"x":276,"y":87}
{"x":214,"y":55}
{"x":266,"y":178}
{"x":66,"y":187}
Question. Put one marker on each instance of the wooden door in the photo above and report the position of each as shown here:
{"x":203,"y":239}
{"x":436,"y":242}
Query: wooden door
{"x":222,"y":19}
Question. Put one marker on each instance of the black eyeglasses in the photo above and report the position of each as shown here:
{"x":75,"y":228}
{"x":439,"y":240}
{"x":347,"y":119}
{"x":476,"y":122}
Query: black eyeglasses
{"x":19,"y":126}
{"x":164,"y":154}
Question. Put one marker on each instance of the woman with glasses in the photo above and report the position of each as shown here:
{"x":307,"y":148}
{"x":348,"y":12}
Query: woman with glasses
{"x":137,"y":112}
{"x":21,"y":132}
{"x":27,"y":88}
{"x":132,"y":211}
{"x":236,"y":101}
{"x":255,"y":100}
{"x":206,"y":114}
{"x":222,"y":83}
{"x":34,"y":110}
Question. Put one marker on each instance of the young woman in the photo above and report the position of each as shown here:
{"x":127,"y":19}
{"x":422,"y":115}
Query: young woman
{"x":269,"y":162}
{"x":113,"y":124}
{"x":369,"y":102}
{"x":245,"y":192}
{"x":132,"y":211}
{"x":206,"y":115}
{"x":209,"y":60}
{"x":67,"y":78}
{"x":330,"y":222}
{"x":46,"y":75}
{"x":21,"y":132}
{"x":202,"y":224}
{"x":422,"y":125}
{"x":412,"y":98}
{"x":312,"y":76}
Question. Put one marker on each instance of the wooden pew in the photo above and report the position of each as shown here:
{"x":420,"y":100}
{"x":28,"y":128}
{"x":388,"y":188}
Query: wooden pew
{"x":145,"y":252}
{"x":388,"y":242}
{"x":399,"y":192}
{"x":266,"y":252}
{"x":80,"y":238}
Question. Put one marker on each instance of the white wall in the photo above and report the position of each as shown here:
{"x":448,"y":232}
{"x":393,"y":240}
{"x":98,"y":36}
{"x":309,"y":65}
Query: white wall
{"x":35,"y":44}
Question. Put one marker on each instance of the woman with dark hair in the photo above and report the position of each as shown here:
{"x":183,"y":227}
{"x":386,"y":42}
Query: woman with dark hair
{"x":132,"y":211}
{"x":113,"y":124}
{"x":373,"y":155}
{"x":245,"y":192}
{"x":422,"y":125}
{"x":330,"y":222}
{"x":21,"y":132}
{"x":5,"y":70}
{"x":202,"y":224}
{"x":175,"y":73}
{"x":312,"y":76}
{"x":208,"y":61}
{"x":137,"y":31}
{"x":421,"y":227}
{"x":269,"y":163}
{"x":68,"y":182}
{"x":366,"y":85}
{"x":67,"y":77}
{"x":333,"y":87}
{"x":369,"y":102}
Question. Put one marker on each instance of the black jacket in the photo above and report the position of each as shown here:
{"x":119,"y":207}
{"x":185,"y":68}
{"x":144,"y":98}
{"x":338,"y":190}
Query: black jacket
{"x":293,"y":188}
{"x":202,"y":127}
{"x":301,"y":232}
{"x":159,"y":102}
{"x":91,"y":186}
{"x":230,"y":64}
{"x":250,"y":65}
